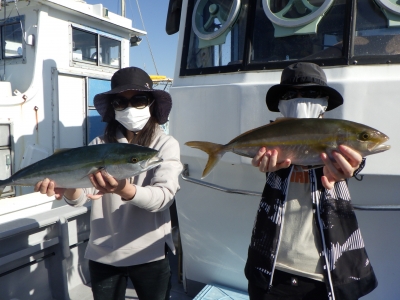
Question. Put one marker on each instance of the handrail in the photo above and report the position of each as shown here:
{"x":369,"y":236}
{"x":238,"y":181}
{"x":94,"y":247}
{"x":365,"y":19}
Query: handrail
{"x":377,"y":207}
{"x":185,"y":176}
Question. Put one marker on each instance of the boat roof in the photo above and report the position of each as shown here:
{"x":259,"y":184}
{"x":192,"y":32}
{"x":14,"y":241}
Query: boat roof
{"x":97,"y":11}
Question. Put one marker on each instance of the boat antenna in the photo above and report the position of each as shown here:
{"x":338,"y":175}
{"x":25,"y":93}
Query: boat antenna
{"x":123,"y":8}
{"x":148,"y":42}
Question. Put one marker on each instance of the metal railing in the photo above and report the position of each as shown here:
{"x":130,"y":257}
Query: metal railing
{"x":185,"y":176}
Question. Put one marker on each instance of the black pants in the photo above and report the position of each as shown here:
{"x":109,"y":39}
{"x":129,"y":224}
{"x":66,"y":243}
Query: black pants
{"x":286,"y":286}
{"x":152,"y":281}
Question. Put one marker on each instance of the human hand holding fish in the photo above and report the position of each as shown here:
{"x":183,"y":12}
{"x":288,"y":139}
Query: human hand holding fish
{"x":105,"y":183}
{"x":267,"y":161}
{"x":102,"y":181}
{"x":347,"y":161}
{"x":47,"y":186}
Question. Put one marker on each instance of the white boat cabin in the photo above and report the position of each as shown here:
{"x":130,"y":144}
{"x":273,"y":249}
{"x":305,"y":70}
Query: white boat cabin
{"x":55,"y":55}
{"x":230,"y":53}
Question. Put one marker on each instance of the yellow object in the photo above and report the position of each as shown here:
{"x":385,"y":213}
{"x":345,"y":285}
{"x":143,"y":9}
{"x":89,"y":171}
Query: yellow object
{"x":157,"y":78}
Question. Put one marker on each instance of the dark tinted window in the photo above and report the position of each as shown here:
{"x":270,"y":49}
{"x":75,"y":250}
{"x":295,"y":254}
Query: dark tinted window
{"x":110,"y":52}
{"x":271,"y":34}
{"x":92,"y":48}
{"x":217,"y":38}
{"x":277,"y":38}
{"x":84,"y":46}
{"x":377,"y":29}
{"x":12,"y":40}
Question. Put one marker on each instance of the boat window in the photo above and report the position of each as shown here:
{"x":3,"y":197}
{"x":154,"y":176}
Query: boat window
{"x":240,"y":35}
{"x":95,"y":126}
{"x":377,"y":29}
{"x":217,"y":35}
{"x":110,"y":52}
{"x":11,"y":38}
{"x":96,"y":49}
{"x":286,"y":30}
{"x":84,"y":46}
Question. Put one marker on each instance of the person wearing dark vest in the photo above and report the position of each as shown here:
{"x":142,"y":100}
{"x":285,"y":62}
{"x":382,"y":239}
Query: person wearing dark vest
{"x":306,"y":243}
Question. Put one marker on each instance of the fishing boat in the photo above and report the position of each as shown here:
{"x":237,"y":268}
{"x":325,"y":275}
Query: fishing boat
{"x":229,"y":54}
{"x":57,"y":54}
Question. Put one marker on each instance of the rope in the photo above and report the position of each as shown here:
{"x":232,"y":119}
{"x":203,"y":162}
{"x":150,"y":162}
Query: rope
{"x":148,"y":42}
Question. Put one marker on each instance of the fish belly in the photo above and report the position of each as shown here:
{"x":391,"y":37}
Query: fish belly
{"x":77,"y":179}
{"x":300,"y":155}
{"x":246,"y":151}
{"x":124,"y":171}
{"x":303,"y":155}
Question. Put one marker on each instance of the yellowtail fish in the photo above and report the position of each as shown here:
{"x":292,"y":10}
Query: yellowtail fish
{"x":70,"y":168}
{"x":300,"y":140}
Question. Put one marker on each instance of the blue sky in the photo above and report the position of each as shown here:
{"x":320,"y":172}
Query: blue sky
{"x":163,"y":46}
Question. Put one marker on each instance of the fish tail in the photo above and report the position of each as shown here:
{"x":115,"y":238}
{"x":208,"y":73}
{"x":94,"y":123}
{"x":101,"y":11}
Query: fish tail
{"x":214,"y":151}
{"x":2,"y":186}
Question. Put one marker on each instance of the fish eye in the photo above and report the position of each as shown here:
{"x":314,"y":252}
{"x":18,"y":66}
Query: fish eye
{"x":364,"y":136}
{"x":134,"y":160}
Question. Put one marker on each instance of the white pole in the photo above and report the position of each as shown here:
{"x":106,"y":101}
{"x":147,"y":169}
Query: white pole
{"x":123,"y":7}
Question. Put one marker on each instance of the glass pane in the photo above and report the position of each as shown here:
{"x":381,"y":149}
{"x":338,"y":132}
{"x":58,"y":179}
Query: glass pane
{"x":95,"y":126}
{"x":97,"y":86}
{"x":84,"y":46}
{"x":222,"y":50}
{"x":271,"y":44}
{"x":110,"y":52}
{"x":12,"y":39}
{"x":373,"y":36}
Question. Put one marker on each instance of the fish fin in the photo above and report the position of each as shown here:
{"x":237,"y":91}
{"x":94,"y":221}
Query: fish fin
{"x":315,"y":166}
{"x":243,"y":153}
{"x":61,"y":150}
{"x":281,"y":119}
{"x":214,"y":151}
{"x":94,"y":170}
{"x":306,"y":168}
{"x":3,"y":185}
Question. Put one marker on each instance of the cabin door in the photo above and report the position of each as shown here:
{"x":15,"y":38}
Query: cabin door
{"x":71,"y":112}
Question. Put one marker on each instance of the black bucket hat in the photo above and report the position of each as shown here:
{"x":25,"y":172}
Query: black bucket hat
{"x":133,"y":78}
{"x":302,"y":75}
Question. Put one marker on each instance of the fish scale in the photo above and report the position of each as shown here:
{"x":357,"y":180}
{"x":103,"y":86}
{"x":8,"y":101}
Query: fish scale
{"x":300,"y":140}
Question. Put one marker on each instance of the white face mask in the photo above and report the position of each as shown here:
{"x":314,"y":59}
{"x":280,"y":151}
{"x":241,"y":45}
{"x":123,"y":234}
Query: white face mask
{"x":303,"y":107}
{"x":132,"y":118}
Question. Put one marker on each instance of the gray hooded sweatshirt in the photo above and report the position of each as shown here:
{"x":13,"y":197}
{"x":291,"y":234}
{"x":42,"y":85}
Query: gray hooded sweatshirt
{"x":126,"y":233}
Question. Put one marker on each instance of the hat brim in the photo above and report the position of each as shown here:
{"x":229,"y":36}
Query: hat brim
{"x":275,"y":92}
{"x":162,"y":101}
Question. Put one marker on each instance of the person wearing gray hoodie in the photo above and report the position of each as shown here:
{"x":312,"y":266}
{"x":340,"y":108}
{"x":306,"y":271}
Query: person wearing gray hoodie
{"x":130,"y":220}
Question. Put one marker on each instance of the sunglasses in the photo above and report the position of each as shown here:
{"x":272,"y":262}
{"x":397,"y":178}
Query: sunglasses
{"x":137,"y":101}
{"x":304,"y":93}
